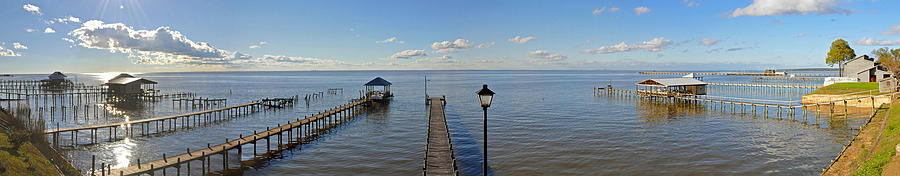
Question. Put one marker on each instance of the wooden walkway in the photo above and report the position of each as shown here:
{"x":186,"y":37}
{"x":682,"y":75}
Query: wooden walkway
{"x":166,"y":123}
{"x":764,"y":85}
{"x":735,"y":73}
{"x":740,"y":106}
{"x":790,"y":78}
{"x":439,"y":158}
{"x":311,"y":126}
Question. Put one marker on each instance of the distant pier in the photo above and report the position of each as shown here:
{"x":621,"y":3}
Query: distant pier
{"x":736,"y":73}
{"x":439,"y":159}
{"x":742,"y":106}
{"x":765,"y":85}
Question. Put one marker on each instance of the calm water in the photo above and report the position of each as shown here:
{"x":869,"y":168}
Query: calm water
{"x":541,"y":123}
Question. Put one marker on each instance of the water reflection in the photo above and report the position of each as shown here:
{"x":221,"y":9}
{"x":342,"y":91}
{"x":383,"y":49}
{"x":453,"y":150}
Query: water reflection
{"x":122,"y":153}
{"x":663,"y":110}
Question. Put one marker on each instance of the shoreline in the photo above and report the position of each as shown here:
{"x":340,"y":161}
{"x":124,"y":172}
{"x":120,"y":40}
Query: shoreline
{"x":847,"y":161}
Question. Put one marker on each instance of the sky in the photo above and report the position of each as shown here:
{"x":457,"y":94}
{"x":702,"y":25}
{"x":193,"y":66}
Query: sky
{"x":39,"y":36}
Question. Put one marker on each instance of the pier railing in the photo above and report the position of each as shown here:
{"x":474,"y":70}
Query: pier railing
{"x":166,"y":123}
{"x":439,"y":159}
{"x":297,"y":132}
{"x":737,"y":104}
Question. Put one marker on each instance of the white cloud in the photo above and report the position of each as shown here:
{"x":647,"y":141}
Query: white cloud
{"x":641,"y":10}
{"x":521,"y":40}
{"x":543,"y":54}
{"x":49,"y":30}
{"x":442,"y":59}
{"x":18,"y":45}
{"x":33,"y":9}
{"x":869,"y":41}
{"x":259,"y":45}
{"x":391,"y":40}
{"x":93,"y":23}
{"x":29,"y":30}
{"x":485,"y":45}
{"x":406,"y":54}
{"x":8,"y":52}
{"x":789,"y":7}
{"x":68,"y":40}
{"x":708,"y":41}
{"x":159,"y":46}
{"x":691,"y":3}
{"x":599,"y":11}
{"x":450,"y":47}
{"x":279,"y":60}
{"x":895,"y":30}
{"x":603,"y":9}
{"x":68,"y":19}
{"x":613,"y":9}
{"x":654,"y":45}
{"x":799,"y":35}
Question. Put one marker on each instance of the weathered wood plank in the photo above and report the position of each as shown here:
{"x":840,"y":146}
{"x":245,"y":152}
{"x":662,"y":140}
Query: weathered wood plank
{"x":439,"y":152}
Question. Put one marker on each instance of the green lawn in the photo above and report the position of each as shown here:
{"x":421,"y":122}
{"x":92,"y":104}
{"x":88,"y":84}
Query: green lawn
{"x":856,"y":88}
{"x":20,"y":157}
{"x":885,"y":147}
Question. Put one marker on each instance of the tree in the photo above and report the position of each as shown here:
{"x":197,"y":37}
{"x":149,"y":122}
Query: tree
{"x":840,"y":52}
{"x":889,"y":59}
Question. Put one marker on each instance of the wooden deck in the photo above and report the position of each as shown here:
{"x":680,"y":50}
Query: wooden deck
{"x":166,"y":123}
{"x":294,"y":129}
{"x":765,"y":85}
{"x":735,"y":73}
{"x":439,"y":158}
{"x":737,"y":105}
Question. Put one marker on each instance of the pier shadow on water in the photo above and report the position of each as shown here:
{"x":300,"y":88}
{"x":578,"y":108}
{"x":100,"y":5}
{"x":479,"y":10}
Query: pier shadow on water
{"x":466,"y":149}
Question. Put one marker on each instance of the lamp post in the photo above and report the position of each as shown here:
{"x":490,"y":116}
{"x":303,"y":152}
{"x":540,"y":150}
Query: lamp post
{"x":485,"y":96}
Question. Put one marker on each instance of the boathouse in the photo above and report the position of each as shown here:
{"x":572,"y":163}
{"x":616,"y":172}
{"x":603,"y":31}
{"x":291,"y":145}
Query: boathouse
{"x":671,"y":87}
{"x":126,"y":84}
{"x":57,"y":76}
{"x":865,"y":69}
{"x":374,"y":93}
{"x":56,"y":79}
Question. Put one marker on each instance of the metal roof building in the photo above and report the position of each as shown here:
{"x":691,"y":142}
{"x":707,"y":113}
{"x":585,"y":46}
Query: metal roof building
{"x":382,"y":94}
{"x":56,"y":75}
{"x":126,"y":84}
{"x":378,"y":82}
{"x":671,"y":86}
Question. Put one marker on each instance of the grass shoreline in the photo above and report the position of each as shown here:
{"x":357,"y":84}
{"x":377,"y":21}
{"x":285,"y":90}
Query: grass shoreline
{"x":884,"y":150}
{"x":22,"y":152}
{"x":853,"y":88}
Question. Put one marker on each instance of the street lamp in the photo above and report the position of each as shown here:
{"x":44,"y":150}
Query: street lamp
{"x":485,"y":96}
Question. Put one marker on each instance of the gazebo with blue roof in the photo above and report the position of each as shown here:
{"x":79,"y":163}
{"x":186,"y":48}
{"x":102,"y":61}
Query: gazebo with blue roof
{"x":385,"y":91}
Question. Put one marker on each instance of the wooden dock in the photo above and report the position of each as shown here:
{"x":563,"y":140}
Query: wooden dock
{"x":735,"y":73}
{"x":742,"y":106}
{"x":439,"y":159}
{"x":166,"y":123}
{"x":790,"y":78}
{"x":765,"y":85}
{"x":297,"y":131}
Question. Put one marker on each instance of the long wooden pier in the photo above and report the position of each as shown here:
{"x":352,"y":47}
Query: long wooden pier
{"x":741,"y":106}
{"x":790,"y":78}
{"x":439,"y":159}
{"x":166,"y":123}
{"x":764,"y":85}
{"x":297,"y":131}
{"x":735,"y":73}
